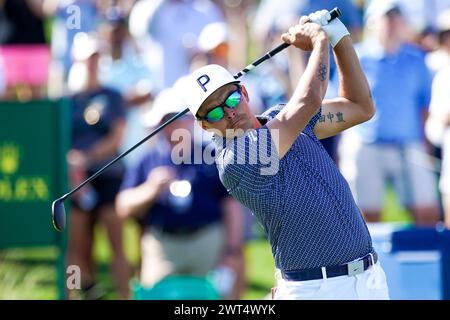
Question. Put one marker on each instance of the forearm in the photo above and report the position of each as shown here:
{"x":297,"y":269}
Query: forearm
{"x":306,"y":100}
{"x":353,"y":84}
{"x":234,"y":222}
{"x":136,"y":202}
{"x":297,"y":65}
{"x":312,"y":86}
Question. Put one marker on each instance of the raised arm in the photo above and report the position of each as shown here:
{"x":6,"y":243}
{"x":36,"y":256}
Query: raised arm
{"x":354,"y":104}
{"x":309,"y":93}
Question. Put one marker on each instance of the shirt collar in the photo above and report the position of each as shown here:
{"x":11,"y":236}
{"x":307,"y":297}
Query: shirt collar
{"x":374,"y":49}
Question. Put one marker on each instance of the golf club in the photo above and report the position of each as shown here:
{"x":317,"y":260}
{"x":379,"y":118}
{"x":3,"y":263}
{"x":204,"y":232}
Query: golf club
{"x":58,"y":210}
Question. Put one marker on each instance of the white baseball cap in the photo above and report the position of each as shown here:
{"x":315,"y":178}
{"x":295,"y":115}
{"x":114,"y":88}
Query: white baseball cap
{"x":212,"y":35}
{"x":202,"y":83}
{"x":378,"y":8}
{"x":443,"y":21}
{"x":166,"y":102}
{"x":84,"y":46}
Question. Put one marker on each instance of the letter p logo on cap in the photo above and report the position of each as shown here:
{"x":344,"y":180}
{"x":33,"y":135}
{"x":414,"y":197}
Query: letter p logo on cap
{"x":202,"y":81}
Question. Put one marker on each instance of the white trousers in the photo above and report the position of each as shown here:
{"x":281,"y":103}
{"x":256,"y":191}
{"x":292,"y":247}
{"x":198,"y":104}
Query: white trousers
{"x":369,"y":285}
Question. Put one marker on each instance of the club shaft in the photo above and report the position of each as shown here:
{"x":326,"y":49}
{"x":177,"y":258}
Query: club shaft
{"x":123,"y":154}
{"x":335,"y":13}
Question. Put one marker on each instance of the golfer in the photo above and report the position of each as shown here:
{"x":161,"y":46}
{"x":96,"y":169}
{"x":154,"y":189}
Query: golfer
{"x":275,"y":165}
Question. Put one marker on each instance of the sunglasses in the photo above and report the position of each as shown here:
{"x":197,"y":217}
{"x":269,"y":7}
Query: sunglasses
{"x":217,"y":113}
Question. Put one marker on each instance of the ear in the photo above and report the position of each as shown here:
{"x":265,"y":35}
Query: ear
{"x":245,"y":93}
{"x":203,"y":124}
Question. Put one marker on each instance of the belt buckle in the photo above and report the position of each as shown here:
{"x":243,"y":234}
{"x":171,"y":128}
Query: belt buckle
{"x":355,"y":267}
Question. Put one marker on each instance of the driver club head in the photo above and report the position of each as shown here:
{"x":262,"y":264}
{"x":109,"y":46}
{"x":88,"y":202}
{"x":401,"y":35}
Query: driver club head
{"x":59,"y":214}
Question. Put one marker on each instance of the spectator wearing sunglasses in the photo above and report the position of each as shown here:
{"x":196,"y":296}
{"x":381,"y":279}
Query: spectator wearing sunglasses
{"x":275,"y":165}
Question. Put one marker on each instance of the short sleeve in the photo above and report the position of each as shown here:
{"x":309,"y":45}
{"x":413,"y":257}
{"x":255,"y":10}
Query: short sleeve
{"x":250,"y":161}
{"x":309,"y":129}
{"x":312,"y":123}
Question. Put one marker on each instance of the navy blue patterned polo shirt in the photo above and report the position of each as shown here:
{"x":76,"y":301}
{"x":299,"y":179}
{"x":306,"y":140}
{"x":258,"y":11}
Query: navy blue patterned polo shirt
{"x":302,"y":201}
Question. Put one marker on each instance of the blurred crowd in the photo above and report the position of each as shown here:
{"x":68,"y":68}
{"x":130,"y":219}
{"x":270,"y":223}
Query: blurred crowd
{"x":117,"y":62}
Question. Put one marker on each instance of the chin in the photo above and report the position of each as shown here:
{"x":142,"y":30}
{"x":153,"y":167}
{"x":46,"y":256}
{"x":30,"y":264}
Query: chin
{"x":235,"y":133}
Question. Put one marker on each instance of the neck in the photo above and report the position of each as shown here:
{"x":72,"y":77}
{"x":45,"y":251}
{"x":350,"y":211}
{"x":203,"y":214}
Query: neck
{"x":116,"y":52}
{"x":446,"y":49}
{"x":92,"y":83}
{"x":390,"y":43}
{"x":256,"y":123}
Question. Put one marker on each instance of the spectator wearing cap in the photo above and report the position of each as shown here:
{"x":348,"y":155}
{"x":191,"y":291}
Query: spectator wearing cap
{"x":213,"y":47}
{"x":391,"y":146}
{"x":420,"y":16}
{"x":156,"y":21}
{"x":190,"y":224}
{"x":98,"y":121}
{"x":123,"y":68}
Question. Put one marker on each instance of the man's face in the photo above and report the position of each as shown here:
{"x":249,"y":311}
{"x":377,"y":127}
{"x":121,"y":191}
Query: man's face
{"x":235,"y":120}
{"x":393,"y":24}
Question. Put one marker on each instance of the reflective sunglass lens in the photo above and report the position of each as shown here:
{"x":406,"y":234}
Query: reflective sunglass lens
{"x":233,"y":100}
{"x":215,"y":114}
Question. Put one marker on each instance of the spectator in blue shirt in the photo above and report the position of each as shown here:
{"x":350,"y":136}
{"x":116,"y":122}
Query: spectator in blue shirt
{"x":276,"y":166}
{"x":97,"y":128}
{"x":391,"y":146}
{"x":190,"y":224}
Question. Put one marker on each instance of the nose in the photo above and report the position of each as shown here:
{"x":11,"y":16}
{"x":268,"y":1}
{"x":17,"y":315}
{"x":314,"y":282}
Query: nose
{"x":229,"y":113}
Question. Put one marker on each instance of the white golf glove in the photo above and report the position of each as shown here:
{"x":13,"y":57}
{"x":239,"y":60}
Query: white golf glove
{"x":334,"y":29}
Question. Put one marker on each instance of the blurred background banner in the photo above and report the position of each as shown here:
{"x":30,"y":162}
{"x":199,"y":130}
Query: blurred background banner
{"x":34,"y":137}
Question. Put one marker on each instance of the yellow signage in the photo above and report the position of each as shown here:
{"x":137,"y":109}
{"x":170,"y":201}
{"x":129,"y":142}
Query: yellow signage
{"x":9,"y":158}
{"x":19,"y":188}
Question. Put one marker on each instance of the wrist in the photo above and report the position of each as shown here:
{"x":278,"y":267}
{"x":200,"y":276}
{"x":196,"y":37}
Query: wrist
{"x":150,"y":190}
{"x":321,"y":37}
{"x":335,"y":31}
